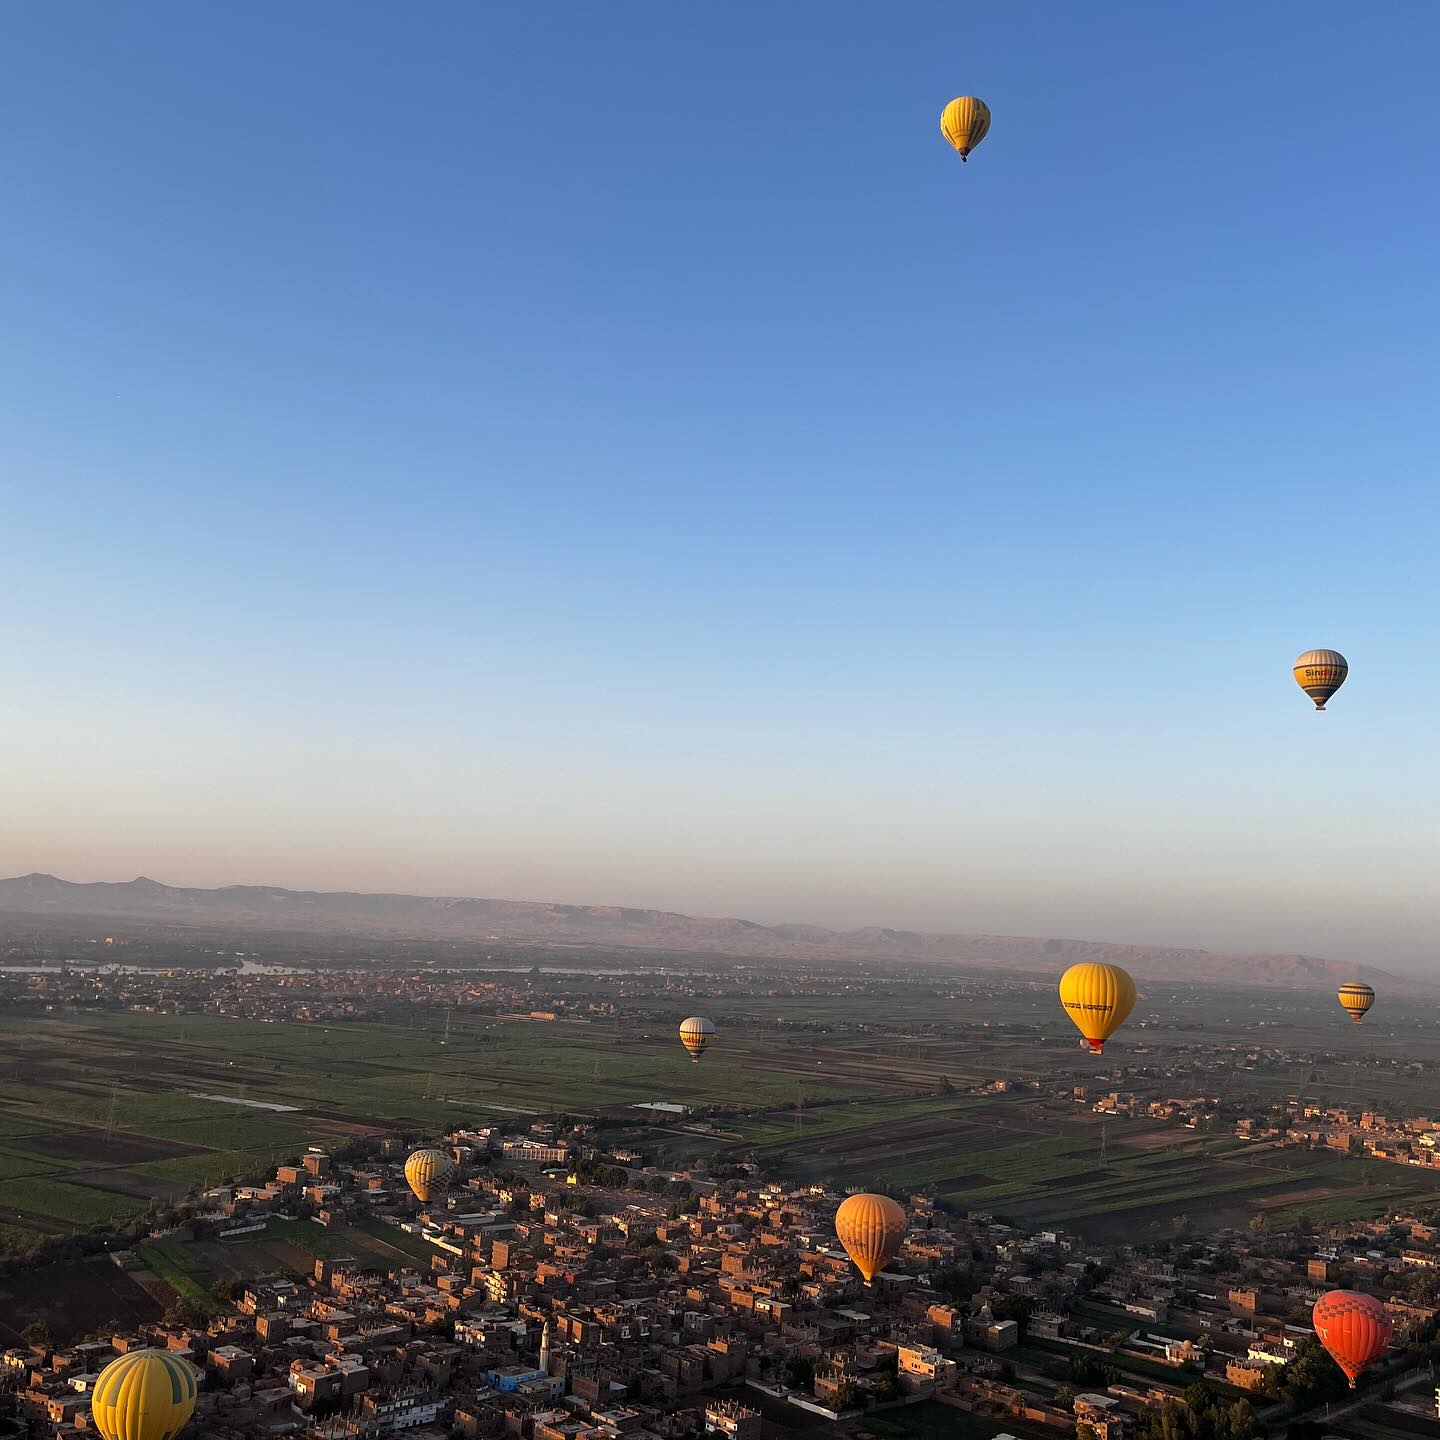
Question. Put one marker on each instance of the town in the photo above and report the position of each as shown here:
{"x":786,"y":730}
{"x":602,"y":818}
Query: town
{"x":559,"y":1292}
{"x":634,"y":1244}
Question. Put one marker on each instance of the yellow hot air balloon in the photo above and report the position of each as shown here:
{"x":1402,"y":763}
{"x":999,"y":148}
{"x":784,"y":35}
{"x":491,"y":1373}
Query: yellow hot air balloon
{"x":428,"y":1172}
{"x":696,"y":1035}
{"x":872,"y":1230}
{"x":1320,"y":673}
{"x":1097,"y":998}
{"x":1357,"y":998}
{"x":145,"y":1395}
{"x":965,"y":122}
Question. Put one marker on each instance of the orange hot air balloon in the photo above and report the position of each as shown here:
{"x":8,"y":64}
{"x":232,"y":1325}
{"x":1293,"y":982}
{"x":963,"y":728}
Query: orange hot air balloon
{"x":872,"y":1230}
{"x":1354,"y":1328}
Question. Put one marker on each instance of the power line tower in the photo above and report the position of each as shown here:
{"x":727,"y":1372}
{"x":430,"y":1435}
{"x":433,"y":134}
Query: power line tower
{"x":1104,"y":1164}
{"x":445,"y":1039}
{"x":110,"y":1114}
{"x":799,"y":1109}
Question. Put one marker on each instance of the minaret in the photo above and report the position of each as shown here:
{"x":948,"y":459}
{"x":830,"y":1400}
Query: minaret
{"x":545,"y":1348}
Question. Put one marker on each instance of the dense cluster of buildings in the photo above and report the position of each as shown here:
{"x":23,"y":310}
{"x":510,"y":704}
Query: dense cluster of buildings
{"x":112,"y":973}
{"x":1411,"y":1141}
{"x":1294,"y":1121}
{"x":251,"y":990}
{"x":675,"y":1306}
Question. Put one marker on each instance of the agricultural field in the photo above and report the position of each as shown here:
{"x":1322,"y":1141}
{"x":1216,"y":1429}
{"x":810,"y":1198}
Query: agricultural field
{"x":73,"y":1297}
{"x":106,"y":1115}
{"x":931,"y":1420}
{"x":1042,"y":1159}
{"x":179,"y":1268}
{"x":284,"y":1246}
{"x":68,"y":1300}
{"x":1038,"y":1162}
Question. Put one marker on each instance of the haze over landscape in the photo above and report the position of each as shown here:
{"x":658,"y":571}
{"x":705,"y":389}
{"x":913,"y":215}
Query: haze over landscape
{"x":271,"y":910}
{"x":415,"y":500}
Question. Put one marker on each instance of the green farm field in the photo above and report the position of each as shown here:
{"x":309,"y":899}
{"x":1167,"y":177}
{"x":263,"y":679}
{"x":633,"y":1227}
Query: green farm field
{"x":1037,"y":1162}
{"x":193,"y":1268}
{"x":105,"y":1115}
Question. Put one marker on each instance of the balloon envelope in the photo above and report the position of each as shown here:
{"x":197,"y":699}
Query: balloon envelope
{"x":696,"y":1033}
{"x":1354,"y":1328}
{"x":144,"y":1395}
{"x":1357,"y":998}
{"x":965,"y":122}
{"x":1097,"y":997}
{"x":428,"y":1173}
{"x":872,"y":1230}
{"x":1320,"y":673}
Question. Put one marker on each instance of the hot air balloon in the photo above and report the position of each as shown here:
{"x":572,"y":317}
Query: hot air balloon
{"x":872,"y":1229}
{"x":1320,"y":673}
{"x":1357,"y":999}
{"x":1354,"y":1328}
{"x":428,"y":1172}
{"x":144,"y":1395}
{"x":1097,"y":998}
{"x":965,"y":122}
{"x":696,"y":1033}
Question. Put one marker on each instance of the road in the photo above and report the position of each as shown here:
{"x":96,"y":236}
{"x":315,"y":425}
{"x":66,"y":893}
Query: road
{"x":1331,"y":1411}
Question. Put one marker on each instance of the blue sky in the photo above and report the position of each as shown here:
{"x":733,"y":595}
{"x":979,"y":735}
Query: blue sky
{"x":619,"y":454}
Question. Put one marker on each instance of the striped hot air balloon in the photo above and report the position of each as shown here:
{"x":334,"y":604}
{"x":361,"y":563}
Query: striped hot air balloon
{"x":872,"y":1230}
{"x":428,"y":1173}
{"x":1320,"y":673}
{"x":965,"y":122}
{"x":1097,"y":997}
{"x":1354,"y":1328}
{"x":145,"y":1395}
{"x":1357,"y":998}
{"x":696,"y":1035}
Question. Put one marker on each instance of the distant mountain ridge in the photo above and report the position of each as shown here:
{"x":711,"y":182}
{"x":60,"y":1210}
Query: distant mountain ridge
{"x":420,"y":917}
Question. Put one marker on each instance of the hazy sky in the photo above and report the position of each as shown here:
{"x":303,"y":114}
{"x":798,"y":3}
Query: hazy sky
{"x":618,"y":453}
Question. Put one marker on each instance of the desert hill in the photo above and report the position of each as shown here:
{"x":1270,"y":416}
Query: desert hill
{"x":419,"y":917}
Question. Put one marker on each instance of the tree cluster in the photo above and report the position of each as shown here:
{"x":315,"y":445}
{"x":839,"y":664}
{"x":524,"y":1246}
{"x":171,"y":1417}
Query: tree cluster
{"x":1092,"y":1372}
{"x":1311,"y":1378}
{"x":1203,"y":1416}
